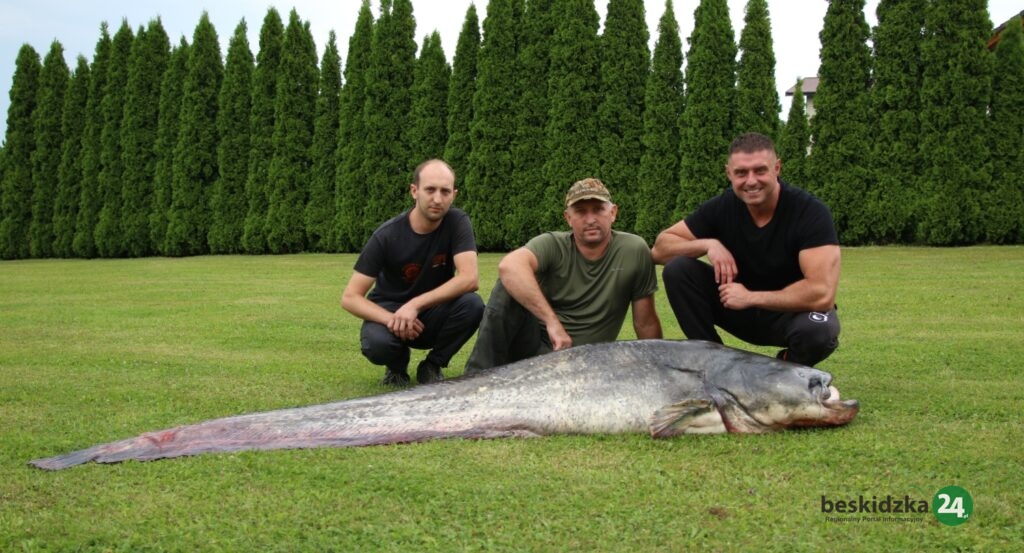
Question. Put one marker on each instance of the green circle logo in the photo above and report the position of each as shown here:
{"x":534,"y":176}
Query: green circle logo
{"x":952,"y":505}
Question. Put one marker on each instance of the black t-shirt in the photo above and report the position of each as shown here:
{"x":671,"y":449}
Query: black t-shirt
{"x":767,"y":258}
{"x":407,"y":264}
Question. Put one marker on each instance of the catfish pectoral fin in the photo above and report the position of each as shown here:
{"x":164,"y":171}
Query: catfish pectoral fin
{"x":692,"y":416}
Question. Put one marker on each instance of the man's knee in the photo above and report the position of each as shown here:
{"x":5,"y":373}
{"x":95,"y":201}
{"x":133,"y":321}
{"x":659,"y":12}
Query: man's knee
{"x":469,"y":307}
{"x":379,"y":345}
{"x":813,"y":337}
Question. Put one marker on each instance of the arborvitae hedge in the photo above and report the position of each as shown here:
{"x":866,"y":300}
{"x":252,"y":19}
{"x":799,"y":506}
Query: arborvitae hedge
{"x":46,"y":121}
{"x":228,"y":205}
{"x":571,"y":137}
{"x":320,"y":208}
{"x":69,"y":175}
{"x":91,"y":201}
{"x":625,"y":65}
{"x":525,"y":219}
{"x":841,"y":128}
{"x":460,"y":95}
{"x":16,"y":187}
{"x":149,"y":58}
{"x":108,"y":235}
{"x":955,"y":97}
{"x":350,"y":189}
{"x":195,"y":154}
{"x":921,"y":147}
{"x":795,"y":139}
{"x":757,"y":100}
{"x":484,"y":191}
{"x":171,"y":94}
{"x":1004,"y":202}
{"x":707,"y":122}
{"x":261,"y":126}
{"x":895,"y":101}
{"x":295,"y":108}
{"x":664,"y":101}
{"x":427,"y":133}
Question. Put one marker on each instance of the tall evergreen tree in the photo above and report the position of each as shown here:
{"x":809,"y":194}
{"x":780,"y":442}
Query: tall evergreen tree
{"x":1003,"y":204}
{"x":428,"y":129}
{"x":19,"y":142}
{"x":350,"y":188}
{"x":663,"y":106}
{"x":625,"y":64}
{"x":387,"y":164}
{"x":529,"y":149}
{"x":573,"y":90}
{"x":91,"y":200}
{"x":484,"y":191}
{"x":294,"y":114}
{"x":228,"y":204}
{"x":69,"y":174}
{"x":895,"y":101}
{"x":757,"y":106}
{"x":108,"y":235}
{"x":172,"y":91}
{"x":460,"y":95}
{"x":955,"y":95}
{"x":150,"y":55}
{"x":320,"y":208}
{"x":46,"y":121}
{"x":195,"y":154}
{"x":840,"y":158}
{"x":707,"y":125}
{"x":261,"y":126}
{"x":795,"y":139}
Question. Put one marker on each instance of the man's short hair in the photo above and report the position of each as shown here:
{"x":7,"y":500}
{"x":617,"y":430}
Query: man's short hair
{"x":419,"y":169}
{"x":751,"y":142}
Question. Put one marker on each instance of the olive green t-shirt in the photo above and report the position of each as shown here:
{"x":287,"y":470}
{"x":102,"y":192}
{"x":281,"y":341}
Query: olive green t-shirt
{"x":591,"y":298}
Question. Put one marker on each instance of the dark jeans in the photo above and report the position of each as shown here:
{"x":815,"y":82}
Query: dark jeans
{"x":508,"y":333}
{"x":446,"y":328}
{"x":690,"y":285}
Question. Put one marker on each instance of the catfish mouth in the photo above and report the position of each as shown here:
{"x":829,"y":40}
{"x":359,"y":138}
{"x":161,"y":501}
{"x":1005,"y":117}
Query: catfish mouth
{"x":837,"y":411}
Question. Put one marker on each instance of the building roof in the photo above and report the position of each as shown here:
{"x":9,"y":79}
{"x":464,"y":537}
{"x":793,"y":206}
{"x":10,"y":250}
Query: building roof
{"x":809,"y":88}
{"x":994,"y":41}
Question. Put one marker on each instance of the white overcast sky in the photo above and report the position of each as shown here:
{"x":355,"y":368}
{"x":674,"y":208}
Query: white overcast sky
{"x":76,"y":24}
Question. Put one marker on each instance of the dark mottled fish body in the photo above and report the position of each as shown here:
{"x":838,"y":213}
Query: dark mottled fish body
{"x":665,"y":388}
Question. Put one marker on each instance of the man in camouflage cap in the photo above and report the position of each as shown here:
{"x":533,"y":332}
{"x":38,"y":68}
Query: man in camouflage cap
{"x":569,"y":288}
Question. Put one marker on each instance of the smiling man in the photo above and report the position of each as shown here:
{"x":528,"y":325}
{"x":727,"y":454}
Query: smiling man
{"x":569,"y":288}
{"x":773,"y":261}
{"x":422,"y":266}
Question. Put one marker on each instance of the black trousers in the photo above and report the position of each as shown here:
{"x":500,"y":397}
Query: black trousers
{"x":809,"y":336}
{"x":447,"y":327}
{"x":508,"y":333}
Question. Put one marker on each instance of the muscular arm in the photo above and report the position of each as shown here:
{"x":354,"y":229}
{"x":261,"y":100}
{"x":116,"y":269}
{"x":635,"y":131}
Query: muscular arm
{"x":645,"y":319}
{"x":815,"y":292}
{"x":518,"y":274}
{"x":678,"y":240}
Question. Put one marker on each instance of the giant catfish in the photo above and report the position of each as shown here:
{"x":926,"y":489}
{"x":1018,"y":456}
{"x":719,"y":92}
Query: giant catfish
{"x":662,"y":387}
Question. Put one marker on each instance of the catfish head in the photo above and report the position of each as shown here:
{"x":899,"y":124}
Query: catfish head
{"x":776,"y":395}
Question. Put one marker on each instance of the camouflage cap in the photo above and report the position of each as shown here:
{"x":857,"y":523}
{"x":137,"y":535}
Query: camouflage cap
{"x":587,"y":189}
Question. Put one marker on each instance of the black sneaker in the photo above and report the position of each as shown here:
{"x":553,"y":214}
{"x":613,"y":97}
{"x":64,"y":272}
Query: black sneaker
{"x":395,"y":378}
{"x":428,"y":372}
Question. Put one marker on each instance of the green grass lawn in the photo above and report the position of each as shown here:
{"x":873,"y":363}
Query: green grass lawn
{"x":95,"y":351}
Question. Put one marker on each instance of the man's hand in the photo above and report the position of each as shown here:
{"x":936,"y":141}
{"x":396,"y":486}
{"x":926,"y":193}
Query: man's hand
{"x":735,"y":296}
{"x":560,"y":339}
{"x":723,"y":262}
{"x":405,"y":323}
